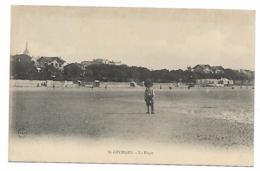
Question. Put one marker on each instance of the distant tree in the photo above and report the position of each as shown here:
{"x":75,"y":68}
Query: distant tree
{"x":135,"y":73}
{"x":73,"y":72}
{"x":163,"y":75}
{"x":22,"y":67}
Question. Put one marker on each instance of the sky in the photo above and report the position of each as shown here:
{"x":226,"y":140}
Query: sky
{"x":155,"y":38}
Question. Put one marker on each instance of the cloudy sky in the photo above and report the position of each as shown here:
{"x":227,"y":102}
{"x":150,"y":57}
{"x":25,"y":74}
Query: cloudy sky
{"x":153,"y":38}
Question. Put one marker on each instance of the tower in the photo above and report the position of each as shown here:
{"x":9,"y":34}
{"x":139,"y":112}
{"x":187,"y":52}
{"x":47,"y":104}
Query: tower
{"x":26,"y":51}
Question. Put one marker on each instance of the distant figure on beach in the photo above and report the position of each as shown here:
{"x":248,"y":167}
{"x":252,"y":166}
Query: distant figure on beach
{"x":149,"y":96}
{"x":65,"y":84}
{"x":44,"y":84}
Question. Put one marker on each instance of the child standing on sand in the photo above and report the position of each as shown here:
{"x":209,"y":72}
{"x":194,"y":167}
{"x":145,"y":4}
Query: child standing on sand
{"x":149,"y":97}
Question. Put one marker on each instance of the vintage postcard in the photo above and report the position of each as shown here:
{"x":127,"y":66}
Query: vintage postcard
{"x":132,"y":85}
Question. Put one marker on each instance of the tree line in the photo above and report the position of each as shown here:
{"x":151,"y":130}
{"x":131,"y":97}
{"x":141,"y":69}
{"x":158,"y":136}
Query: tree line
{"x":25,"y":69}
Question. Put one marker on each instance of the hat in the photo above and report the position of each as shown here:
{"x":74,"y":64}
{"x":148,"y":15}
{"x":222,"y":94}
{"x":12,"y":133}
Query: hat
{"x":148,"y":83}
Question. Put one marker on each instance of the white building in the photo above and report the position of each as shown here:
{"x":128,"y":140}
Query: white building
{"x":215,"y":82}
{"x":56,"y":62}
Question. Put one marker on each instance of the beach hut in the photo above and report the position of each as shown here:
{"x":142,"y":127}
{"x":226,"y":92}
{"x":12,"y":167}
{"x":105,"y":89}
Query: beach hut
{"x":96,"y":83}
{"x":133,"y":84}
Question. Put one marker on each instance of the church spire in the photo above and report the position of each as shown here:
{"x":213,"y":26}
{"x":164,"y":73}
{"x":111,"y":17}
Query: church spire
{"x":26,"y":51}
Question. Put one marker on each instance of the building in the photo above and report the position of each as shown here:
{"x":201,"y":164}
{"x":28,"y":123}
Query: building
{"x":105,"y":61}
{"x":202,"y":69}
{"x":207,"y":82}
{"x":217,"y":69}
{"x":99,"y":61}
{"x":24,"y":57}
{"x":226,"y":82}
{"x":214,"y":82}
{"x":207,"y":69}
{"x":21,"y":58}
{"x":56,"y":62}
{"x":26,"y":50}
{"x":244,"y":82}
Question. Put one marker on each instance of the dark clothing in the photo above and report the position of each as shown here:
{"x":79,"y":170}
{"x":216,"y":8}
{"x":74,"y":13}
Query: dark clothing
{"x":149,"y":94}
{"x":149,"y":102}
{"x":149,"y":99}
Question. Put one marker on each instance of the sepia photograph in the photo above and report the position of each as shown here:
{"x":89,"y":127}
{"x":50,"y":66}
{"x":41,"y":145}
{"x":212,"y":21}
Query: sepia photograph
{"x":128,"y":85}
